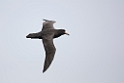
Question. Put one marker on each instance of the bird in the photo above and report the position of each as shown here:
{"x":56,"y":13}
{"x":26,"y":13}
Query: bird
{"x":47,"y":34}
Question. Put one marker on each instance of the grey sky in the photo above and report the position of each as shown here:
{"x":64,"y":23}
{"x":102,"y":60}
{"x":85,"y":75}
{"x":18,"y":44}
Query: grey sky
{"x":93,"y":53}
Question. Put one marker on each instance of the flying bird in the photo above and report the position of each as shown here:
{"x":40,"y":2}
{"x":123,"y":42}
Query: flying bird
{"x":47,"y":34}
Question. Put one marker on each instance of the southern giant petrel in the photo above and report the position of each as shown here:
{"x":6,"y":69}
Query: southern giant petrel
{"x":47,"y":34}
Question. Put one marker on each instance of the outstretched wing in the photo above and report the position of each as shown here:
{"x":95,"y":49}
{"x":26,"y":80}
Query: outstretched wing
{"x":48,"y":24}
{"x":50,"y":52}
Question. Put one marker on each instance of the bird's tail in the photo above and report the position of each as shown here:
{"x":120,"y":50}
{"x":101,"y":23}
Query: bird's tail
{"x":34,"y":36}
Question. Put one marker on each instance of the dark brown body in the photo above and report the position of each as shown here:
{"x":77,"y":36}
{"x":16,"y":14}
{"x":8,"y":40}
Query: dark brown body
{"x":39,"y":35}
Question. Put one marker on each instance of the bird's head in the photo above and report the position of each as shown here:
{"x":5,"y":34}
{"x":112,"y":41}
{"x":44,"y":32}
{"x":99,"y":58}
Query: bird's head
{"x":63,"y":31}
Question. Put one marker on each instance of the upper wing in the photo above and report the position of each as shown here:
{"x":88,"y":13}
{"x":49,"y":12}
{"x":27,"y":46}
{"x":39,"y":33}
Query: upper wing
{"x":45,"y":20}
{"x":48,"y":24}
{"x":50,"y":51}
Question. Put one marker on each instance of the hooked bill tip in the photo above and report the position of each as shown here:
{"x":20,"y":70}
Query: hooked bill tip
{"x":67,"y":33}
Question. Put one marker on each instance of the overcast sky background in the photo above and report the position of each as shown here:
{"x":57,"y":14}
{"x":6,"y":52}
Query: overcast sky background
{"x":93,"y":53}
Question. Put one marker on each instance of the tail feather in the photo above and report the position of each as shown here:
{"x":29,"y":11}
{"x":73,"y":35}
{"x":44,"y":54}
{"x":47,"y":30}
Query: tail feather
{"x":34,"y":36}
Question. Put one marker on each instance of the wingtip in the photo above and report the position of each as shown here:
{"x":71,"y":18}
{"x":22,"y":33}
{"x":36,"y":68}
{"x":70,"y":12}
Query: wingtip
{"x":44,"y":71}
{"x":45,"y":20}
